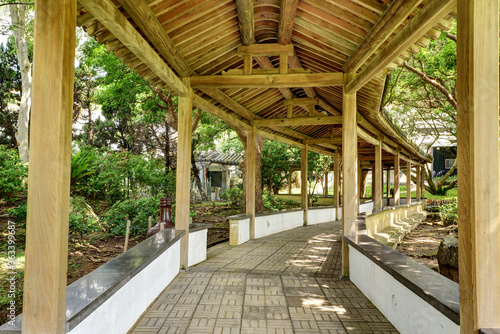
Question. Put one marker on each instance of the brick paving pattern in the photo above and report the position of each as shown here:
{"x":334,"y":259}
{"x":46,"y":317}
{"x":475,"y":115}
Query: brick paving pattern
{"x":285,"y":283}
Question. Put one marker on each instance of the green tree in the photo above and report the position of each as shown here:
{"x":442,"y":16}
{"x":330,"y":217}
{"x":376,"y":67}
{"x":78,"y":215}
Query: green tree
{"x":277,"y":162}
{"x":421,"y":99}
{"x":10,"y":86}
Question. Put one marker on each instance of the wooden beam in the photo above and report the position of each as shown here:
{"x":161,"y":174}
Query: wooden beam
{"x":146,"y":20}
{"x":301,"y":102}
{"x":246,"y":21}
{"x":422,"y":22}
{"x":268,"y":81}
{"x":267,"y":71}
{"x":250,"y":181}
{"x":325,"y":140}
{"x":183,"y":189}
{"x":287,"y":17}
{"x":266,"y":50}
{"x":106,"y":12}
{"x":203,"y":104}
{"x":367,"y":137}
{"x":299,"y":121}
{"x":397,"y":12}
{"x":44,"y":302}
{"x":349,"y":171}
{"x":303,"y":184}
{"x":478,"y":165}
{"x":229,"y":102}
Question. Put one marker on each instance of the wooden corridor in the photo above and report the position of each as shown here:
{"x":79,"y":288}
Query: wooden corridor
{"x":285,"y":283}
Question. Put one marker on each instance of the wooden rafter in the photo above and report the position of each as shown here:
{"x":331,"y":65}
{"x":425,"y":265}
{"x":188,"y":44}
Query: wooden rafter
{"x":106,"y":12}
{"x":257,"y":50}
{"x":422,"y":22}
{"x":268,"y":81}
{"x":299,"y":121}
{"x":146,"y":20}
{"x":219,"y":96}
{"x":301,"y":102}
{"x":394,"y":16}
{"x":287,"y":15}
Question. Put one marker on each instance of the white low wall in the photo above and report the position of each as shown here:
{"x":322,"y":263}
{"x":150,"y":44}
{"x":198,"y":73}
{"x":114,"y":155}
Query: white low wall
{"x":409,"y":313}
{"x":364,"y":207}
{"x":268,"y":224}
{"x":197,"y":246}
{"x":239,"y":229}
{"x":321,"y":215}
{"x":121,"y":310}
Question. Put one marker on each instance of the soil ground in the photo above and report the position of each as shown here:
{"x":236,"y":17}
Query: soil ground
{"x":422,"y":243}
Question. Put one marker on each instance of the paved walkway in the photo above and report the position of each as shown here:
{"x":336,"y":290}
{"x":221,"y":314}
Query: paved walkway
{"x":284,"y":283}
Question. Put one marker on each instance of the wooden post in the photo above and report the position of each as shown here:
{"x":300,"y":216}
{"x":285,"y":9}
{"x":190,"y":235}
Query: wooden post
{"x":360,"y":185}
{"x":336,"y":186}
{"x":127,"y":235}
{"x":290,"y":184}
{"x":50,"y":153}
{"x":478,"y":165}
{"x":418,"y":183}
{"x":388,"y":185}
{"x":396,"y":179}
{"x":350,"y":205}
{"x":377,"y":179}
{"x":150,"y":221}
{"x":304,"y":183}
{"x":183,"y":182}
{"x":250,"y":186}
{"x":408,"y":182}
{"x":422,"y":179}
{"x":325,"y":184}
{"x":44,"y":301}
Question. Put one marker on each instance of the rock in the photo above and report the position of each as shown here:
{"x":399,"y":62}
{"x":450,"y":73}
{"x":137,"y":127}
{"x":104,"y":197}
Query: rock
{"x":447,"y":256}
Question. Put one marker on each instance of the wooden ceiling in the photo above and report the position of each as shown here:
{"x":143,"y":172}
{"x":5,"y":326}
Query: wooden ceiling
{"x":218,"y":42}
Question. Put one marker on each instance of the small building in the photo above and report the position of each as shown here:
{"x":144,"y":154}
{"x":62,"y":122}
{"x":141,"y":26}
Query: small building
{"x":219,"y":170}
{"x":444,"y":158}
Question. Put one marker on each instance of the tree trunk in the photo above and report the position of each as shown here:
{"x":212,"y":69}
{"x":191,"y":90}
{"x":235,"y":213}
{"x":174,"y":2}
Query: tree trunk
{"x":259,"y":204}
{"x":18,"y":17}
{"x":196,"y":174}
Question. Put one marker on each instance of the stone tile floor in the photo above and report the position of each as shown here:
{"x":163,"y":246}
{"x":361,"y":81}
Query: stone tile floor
{"x":285,"y":283}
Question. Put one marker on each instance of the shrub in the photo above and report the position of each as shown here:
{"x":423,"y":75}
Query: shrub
{"x":12,"y":174}
{"x":275,"y":203}
{"x":82,"y":218}
{"x":135,"y":210}
{"x":234,"y":196}
{"x":449,"y":213}
{"x":19,"y":214}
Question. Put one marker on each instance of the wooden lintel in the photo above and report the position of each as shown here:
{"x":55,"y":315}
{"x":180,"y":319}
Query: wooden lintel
{"x":267,"y":50}
{"x":299,"y":121}
{"x":301,"y":102}
{"x":238,"y":71}
{"x":423,"y":21}
{"x":268,"y":81}
{"x":111,"y":17}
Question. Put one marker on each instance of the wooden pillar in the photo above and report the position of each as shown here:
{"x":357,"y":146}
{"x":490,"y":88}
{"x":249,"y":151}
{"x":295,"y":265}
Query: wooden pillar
{"x":388,"y":180}
{"x":408,"y":182}
{"x":377,"y":179}
{"x":183,"y":177}
{"x":304,"y":183}
{"x":422,"y":179}
{"x":360,"y":185}
{"x":44,"y":307}
{"x":418,"y":183}
{"x":478,"y":164}
{"x":250,"y":185}
{"x":350,"y":204}
{"x":290,"y":184}
{"x":325,"y":184}
{"x":396,"y":179}
{"x":336,"y":185}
